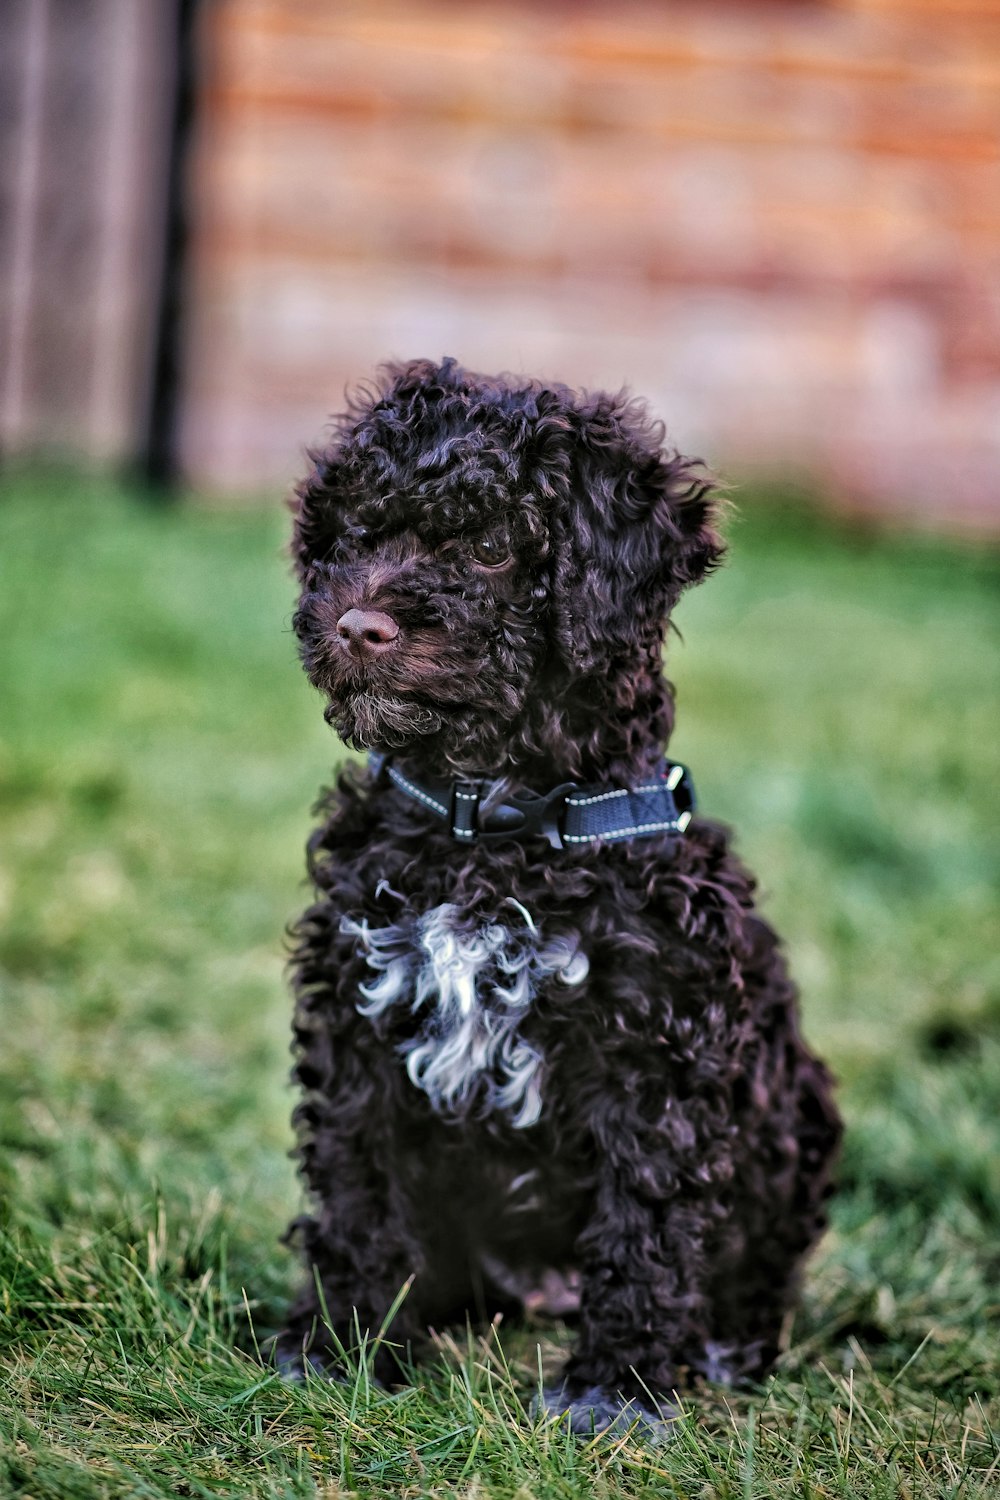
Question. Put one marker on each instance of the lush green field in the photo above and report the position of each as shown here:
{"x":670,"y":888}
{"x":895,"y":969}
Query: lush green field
{"x":158,"y":757}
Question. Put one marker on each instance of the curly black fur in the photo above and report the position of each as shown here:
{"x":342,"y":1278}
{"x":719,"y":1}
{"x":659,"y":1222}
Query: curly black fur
{"x":530,"y":542}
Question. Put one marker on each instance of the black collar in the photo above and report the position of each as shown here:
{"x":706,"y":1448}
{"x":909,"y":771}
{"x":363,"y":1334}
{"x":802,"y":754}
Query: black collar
{"x":568,"y":815}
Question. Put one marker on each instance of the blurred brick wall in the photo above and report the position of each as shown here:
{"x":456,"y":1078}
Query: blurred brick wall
{"x":780,"y":222}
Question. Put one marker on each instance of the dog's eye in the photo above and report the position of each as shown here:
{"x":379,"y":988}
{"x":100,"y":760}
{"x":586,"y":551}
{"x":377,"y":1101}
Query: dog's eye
{"x":358,"y":539}
{"x":490,"y":552}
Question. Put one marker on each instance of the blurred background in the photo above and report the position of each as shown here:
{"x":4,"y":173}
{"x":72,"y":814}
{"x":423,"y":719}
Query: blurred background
{"x":780,"y":221}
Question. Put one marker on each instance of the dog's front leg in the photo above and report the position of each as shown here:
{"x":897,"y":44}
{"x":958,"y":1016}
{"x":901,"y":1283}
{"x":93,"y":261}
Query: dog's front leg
{"x":360,"y":1243}
{"x":642,"y":1259}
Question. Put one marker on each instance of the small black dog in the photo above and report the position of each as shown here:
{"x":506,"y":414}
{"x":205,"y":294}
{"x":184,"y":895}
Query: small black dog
{"x":545,"y":1041}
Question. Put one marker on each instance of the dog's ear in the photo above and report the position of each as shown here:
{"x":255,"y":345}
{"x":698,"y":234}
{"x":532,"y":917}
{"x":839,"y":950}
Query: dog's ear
{"x":316,"y":505}
{"x":634,"y":526}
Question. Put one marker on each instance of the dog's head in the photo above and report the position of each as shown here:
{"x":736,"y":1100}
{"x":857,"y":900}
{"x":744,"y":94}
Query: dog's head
{"x":487,"y":566}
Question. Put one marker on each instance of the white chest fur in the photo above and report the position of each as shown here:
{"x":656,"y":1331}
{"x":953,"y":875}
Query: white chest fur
{"x":471,"y":988}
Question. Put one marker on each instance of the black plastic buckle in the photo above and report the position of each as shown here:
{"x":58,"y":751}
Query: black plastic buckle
{"x":518,"y":817}
{"x":463,"y":818}
{"x":681,"y":788}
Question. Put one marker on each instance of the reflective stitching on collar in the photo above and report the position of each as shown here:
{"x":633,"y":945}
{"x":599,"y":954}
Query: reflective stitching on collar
{"x":415,"y":791}
{"x":617,"y":833}
{"x":635,"y":791}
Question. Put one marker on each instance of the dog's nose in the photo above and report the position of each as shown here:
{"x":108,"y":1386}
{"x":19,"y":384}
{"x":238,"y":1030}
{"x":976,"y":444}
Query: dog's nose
{"x":366,"y":632}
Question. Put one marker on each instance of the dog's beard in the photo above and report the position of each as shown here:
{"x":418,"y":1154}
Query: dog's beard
{"x":386,"y":721}
{"x":443,"y":687}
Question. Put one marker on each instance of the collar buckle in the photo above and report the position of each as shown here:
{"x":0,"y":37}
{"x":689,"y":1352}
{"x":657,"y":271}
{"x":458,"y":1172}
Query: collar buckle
{"x":519,"y":816}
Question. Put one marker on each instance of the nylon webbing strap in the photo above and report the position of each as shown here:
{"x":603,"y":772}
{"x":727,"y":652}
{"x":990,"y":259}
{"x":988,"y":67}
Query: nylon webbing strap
{"x":595,"y":813}
{"x":568,"y":815}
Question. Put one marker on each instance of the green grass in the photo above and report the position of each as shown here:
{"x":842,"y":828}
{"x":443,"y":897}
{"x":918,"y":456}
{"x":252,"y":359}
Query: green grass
{"x":158,"y":756}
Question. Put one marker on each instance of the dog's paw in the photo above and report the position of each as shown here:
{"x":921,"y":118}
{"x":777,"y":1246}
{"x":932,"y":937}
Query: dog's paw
{"x":595,"y":1411}
{"x":295,"y":1365}
{"x":292,"y":1366}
